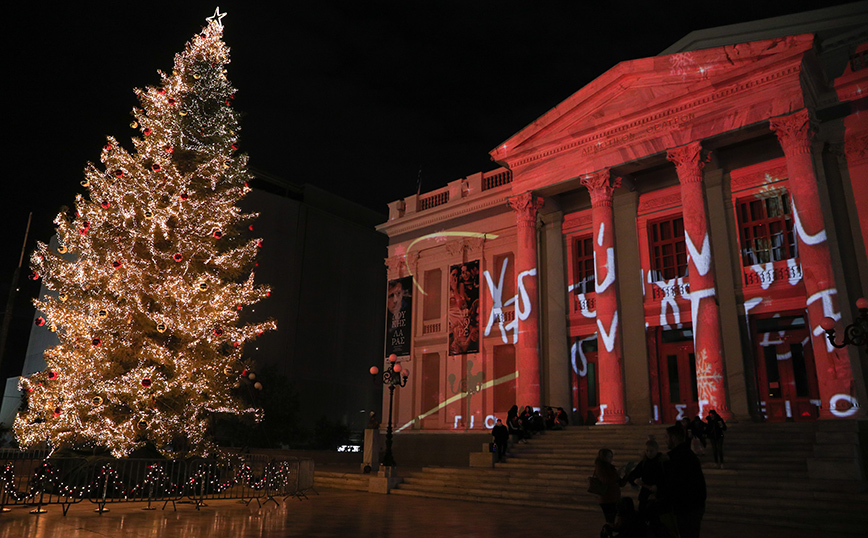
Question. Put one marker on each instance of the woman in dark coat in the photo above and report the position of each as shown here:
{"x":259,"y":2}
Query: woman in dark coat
{"x":608,"y":475}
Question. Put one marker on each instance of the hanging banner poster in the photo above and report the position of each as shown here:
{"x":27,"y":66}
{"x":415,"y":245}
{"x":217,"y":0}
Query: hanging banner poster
{"x":464,"y":308}
{"x":399,"y":302}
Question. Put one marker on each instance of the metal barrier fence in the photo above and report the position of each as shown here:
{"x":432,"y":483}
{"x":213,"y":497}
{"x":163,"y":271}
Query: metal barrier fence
{"x":31,"y":479}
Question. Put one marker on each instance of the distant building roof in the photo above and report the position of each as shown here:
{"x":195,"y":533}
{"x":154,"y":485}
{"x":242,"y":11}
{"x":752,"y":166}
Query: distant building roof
{"x":818,"y":21}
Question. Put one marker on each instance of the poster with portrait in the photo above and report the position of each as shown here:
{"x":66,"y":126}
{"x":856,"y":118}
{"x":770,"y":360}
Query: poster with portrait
{"x":464,"y":308}
{"x":399,"y":302}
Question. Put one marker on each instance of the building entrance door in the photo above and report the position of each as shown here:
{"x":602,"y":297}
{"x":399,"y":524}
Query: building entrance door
{"x":786,"y":376}
{"x":584,"y":379}
{"x":679,"y":395}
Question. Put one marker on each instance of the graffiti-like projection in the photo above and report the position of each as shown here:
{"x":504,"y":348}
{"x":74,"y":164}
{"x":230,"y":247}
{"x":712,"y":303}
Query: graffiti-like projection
{"x":807,"y":238}
{"x":609,"y":336}
{"x":577,"y":348}
{"x":828,"y":311}
{"x":440,"y":236}
{"x":833,"y":405}
{"x":509,"y":378}
{"x":610,"y":271}
{"x":765,"y":273}
{"x":521,"y":299}
{"x":702,"y":259}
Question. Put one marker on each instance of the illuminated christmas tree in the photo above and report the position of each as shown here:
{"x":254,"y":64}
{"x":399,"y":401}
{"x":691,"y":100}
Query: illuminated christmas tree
{"x":153,"y":270}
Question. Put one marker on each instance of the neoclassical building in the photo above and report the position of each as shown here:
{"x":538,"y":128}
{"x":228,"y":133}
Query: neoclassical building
{"x":665,"y":241}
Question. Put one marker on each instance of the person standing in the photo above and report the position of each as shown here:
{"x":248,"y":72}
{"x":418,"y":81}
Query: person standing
{"x":608,"y":475}
{"x":683,"y":487}
{"x":715,"y":428}
{"x":501,"y":438}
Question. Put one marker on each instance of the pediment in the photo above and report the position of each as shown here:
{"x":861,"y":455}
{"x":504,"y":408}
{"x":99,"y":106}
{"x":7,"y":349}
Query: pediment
{"x":635,"y":96}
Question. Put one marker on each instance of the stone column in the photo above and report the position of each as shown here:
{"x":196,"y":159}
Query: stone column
{"x":609,"y":361}
{"x":526,"y":207}
{"x":833,"y":366}
{"x":707,"y":348}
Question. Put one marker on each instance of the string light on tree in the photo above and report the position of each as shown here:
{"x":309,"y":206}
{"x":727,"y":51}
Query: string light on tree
{"x":157,"y":262}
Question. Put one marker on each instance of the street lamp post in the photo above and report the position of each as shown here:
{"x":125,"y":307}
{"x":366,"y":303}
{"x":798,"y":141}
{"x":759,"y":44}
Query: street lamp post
{"x":856,"y":333}
{"x":394,"y":376}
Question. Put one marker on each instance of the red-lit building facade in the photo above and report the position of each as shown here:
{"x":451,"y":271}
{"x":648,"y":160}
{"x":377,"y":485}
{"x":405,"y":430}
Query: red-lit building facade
{"x":664,"y":242}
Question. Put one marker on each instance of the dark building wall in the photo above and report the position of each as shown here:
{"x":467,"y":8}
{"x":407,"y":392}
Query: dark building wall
{"x":324,"y":263}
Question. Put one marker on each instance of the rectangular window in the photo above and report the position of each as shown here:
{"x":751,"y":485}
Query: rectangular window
{"x":668,"y":249}
{"x":674,"y":385}
{"x":430,"y":381}
{"x":766,"y":226}
{"x":772,"y":374}
{"x":504,"y":367}
{"x":431,"y":301}
{"x":584,"y":265}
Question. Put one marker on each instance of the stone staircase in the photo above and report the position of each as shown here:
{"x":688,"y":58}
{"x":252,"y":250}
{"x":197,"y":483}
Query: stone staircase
{"x":765,"y":479}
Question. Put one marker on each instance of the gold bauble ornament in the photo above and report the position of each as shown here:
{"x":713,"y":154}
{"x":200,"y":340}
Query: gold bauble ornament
{"x":62,"y":249}
{"x":134,"y":124}
{"x":161,"y":327}
{"x":85,"y":183}
{"x":102,"y":314}
{"x":203,"y":286}
{"x":63,"y":297}
{"x":175,"y":72}
{"x":52,"y":328}
{"x":228,"y":370}
{"x":142,"y":424}
{"x":149,"y":215}
{"x":196,"y":76}
{"x":183,"y":112}
{"x":97,"y":401}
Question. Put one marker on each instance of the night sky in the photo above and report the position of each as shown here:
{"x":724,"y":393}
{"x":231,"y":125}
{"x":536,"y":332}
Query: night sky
{"x":354,"y":97}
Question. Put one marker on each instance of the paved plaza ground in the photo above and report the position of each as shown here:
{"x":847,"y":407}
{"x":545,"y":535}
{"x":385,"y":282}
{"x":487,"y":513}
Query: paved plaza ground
{"x":335,"y":513}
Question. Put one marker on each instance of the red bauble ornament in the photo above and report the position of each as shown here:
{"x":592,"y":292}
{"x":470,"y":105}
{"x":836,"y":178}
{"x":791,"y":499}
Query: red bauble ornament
{"x":217,"y":234}
{"x":218,"y":331}
{"x":105,"y":204}
{"x":259,"y":333}
{"x":161,"y":91}
{"x":96,"y":342}
{"x":52,"y":375}
{"x":146,"y":131}
{"x":155,"y":167}
{"x":236,"y":344}
{"x":56,"y":412}
{"x":237,"y":307}
{"x":146,"y":382}
{"x":177,"y":257}
{"x":119,"y":173}
{"x":34,"y":276}
{"x":259,"y":243}
{"x":108,"y":147}
{"x":250,"y":227}
{"x":40,"y":321}
{"x":232,"y":96}
{"x":169,"y":149}
{"x":117,"y":264}
{"x":171,"y":101}
{"x":184,"y":196}
{"x":228,"y":102}
{"x":268,"y":294}
{"x":244,"y":373}
{"x":234,"y":146}
{"x":203,"y":36}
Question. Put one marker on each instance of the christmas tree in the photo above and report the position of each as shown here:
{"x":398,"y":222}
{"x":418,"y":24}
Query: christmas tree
{"x":154,"y":269}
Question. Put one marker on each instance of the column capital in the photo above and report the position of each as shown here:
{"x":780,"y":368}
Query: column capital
{"x":688,"y":162}
{"x":395,"y":265}
{"x":794,"y":131}
{"x":526,"y":207}
{"x":601,"y":187}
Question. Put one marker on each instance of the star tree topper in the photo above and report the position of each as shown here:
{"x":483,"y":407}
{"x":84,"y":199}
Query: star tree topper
{"x":217,"y":17}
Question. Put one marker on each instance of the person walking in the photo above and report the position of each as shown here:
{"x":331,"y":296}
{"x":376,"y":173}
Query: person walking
{"x":608,"y":475}
{"x":715,"y":428}
{"x":501,"y":439}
